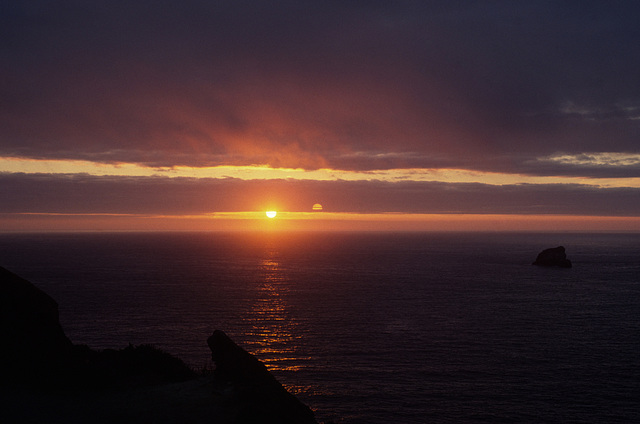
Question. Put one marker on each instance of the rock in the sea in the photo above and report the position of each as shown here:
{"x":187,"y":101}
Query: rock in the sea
{"x":30,"y":332}
{"x":258,"y":396}
{"x":555,"y":256}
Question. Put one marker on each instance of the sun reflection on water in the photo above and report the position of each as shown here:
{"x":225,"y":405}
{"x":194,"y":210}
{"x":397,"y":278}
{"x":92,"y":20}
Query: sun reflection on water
{"x":271,"y":329}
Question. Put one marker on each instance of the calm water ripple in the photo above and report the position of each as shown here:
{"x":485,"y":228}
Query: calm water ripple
{"x":371,"y":328}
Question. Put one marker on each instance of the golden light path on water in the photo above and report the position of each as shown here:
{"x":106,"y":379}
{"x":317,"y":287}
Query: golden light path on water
{"x":274,"y":334}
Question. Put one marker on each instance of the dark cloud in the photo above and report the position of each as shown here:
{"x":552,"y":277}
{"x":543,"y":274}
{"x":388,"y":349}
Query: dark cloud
{"x":43,"y":193}
{"x":351,"y":85}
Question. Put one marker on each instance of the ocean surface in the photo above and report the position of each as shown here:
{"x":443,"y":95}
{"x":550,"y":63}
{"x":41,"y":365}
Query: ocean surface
{"x":370,"y":327}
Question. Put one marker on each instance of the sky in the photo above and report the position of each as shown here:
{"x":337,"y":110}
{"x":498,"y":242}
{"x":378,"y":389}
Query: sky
{"x":393,"y":115}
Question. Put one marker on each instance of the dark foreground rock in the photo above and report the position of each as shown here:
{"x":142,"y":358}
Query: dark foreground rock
{"x":36,"y":352}
{"x":45,"y":378}
{"x":555,"y":256}
{"x":254,"y":395}
{"x":32,"y":339}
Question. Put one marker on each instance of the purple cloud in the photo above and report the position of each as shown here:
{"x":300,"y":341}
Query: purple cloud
{"x":322,"y":84}
{"x":43,"y":193}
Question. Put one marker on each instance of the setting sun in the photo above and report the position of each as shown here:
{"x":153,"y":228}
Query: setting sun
{"x":271,"y":214}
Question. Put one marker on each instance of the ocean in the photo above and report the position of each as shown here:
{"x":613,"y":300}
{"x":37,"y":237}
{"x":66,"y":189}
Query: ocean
{"x":370,"y":327}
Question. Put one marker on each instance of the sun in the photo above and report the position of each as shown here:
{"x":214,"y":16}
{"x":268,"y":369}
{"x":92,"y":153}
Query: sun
{"x":271,"y":214}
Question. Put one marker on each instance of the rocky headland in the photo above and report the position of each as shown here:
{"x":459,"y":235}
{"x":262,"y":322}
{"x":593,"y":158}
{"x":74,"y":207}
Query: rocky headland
{"x":44,"y":377}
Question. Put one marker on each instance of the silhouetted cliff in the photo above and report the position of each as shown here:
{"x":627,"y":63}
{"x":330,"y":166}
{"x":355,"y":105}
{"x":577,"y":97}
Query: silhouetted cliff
{"x":45,"y":378}
{"x":33,"y":342}
{"x":256,"y":395}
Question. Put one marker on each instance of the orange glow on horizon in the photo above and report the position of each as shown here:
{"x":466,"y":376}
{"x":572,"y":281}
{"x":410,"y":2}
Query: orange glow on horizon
{"x":313,"y":221}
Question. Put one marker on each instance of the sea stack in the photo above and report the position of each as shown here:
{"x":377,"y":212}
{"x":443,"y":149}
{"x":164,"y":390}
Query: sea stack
{"x":554,"y":256}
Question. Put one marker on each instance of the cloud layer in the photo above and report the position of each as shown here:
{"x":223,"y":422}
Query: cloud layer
{"x":494,"y":86}
{"x":69,"y":194}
